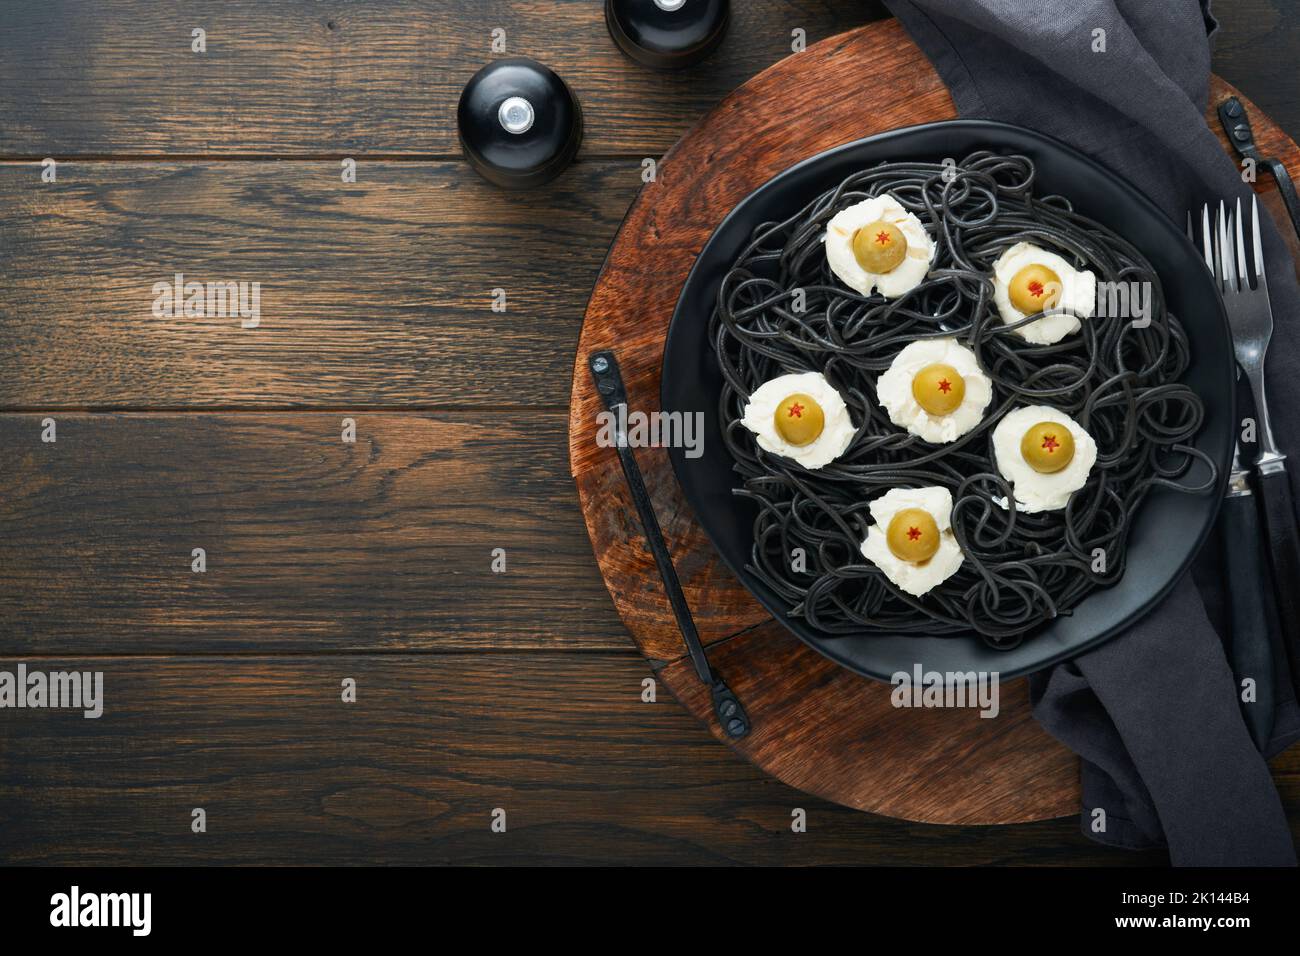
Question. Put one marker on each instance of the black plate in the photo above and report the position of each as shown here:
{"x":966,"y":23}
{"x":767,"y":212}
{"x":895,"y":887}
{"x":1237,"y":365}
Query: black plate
{"x":1169,"y":528}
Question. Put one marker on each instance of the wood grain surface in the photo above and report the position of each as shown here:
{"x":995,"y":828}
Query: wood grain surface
{"x":826,"y":731}
{"x":337,"y":78}
{"x":378,"y":293}
{"x":413,"y":770}
{"x":310,"y":542}
{"x":223,"y":691}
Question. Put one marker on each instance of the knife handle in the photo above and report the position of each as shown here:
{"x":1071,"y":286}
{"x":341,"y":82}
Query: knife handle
{"x":1248,"y":590}
{"x":1284,"y":551}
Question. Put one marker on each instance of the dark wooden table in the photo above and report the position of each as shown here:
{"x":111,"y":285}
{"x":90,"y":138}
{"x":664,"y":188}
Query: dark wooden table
{"x":328,"y":560}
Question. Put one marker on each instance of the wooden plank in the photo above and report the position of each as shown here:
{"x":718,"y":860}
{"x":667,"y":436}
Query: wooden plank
{"x":287,"y":773}
{"x":311,"y":543}
{"x":303,"y":77}
{"x":372,"y":294}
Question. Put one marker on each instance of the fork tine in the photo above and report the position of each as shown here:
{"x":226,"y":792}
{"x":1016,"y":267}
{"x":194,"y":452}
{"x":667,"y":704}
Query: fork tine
{"x":1230,"y":252}
{"x":1241,"y":251}
{"x":1207,"y":244}
{"x":1221,"y":247}
{"x":1229,"y":267}
{"x":1218,"y":252}
{"x":1259,"y":246}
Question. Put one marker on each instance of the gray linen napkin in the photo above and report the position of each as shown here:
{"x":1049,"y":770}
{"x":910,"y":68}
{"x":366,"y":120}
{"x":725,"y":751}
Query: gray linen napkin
{"x":1153,"y":713}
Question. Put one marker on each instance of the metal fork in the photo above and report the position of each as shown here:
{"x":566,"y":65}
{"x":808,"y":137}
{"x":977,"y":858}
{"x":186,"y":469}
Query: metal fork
{"x":1251,"y":320}
{"x":1249,"y":314}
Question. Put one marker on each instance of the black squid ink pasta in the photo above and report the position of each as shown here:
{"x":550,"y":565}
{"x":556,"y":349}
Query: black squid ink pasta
{"x":1118,"y":380}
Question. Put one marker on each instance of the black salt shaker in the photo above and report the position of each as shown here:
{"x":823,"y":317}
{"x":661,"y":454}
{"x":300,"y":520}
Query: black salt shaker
{"x":667,"y":33}
{"x":520,"y":124}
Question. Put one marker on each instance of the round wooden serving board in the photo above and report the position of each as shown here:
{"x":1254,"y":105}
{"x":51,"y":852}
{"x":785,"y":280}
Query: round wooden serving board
{"x":816,"y":726}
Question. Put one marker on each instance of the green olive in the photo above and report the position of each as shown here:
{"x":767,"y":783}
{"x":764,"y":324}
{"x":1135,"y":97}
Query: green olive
{"x":799,"y":419}
{"x":1047,"y":447}
{"x":1034,"y":289}
{"x":939,"y":389}
{"x":879,"y":247}
{"x":913,"y":535}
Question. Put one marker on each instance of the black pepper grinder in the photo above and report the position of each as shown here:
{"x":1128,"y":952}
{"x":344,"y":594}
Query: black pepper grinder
{"x":667,"y":33}
{"x":520,"y":124}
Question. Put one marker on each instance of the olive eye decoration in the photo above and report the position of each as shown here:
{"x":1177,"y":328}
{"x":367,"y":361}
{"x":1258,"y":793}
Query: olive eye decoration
{"x":1045,"y":455}
{"x":913,"y":535}
{"x":1047,"y":447}
{"x":799,"y":419}
{"x":939,"y":389}
{"x":1034,"y":289}
{"x":879,"y":247}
